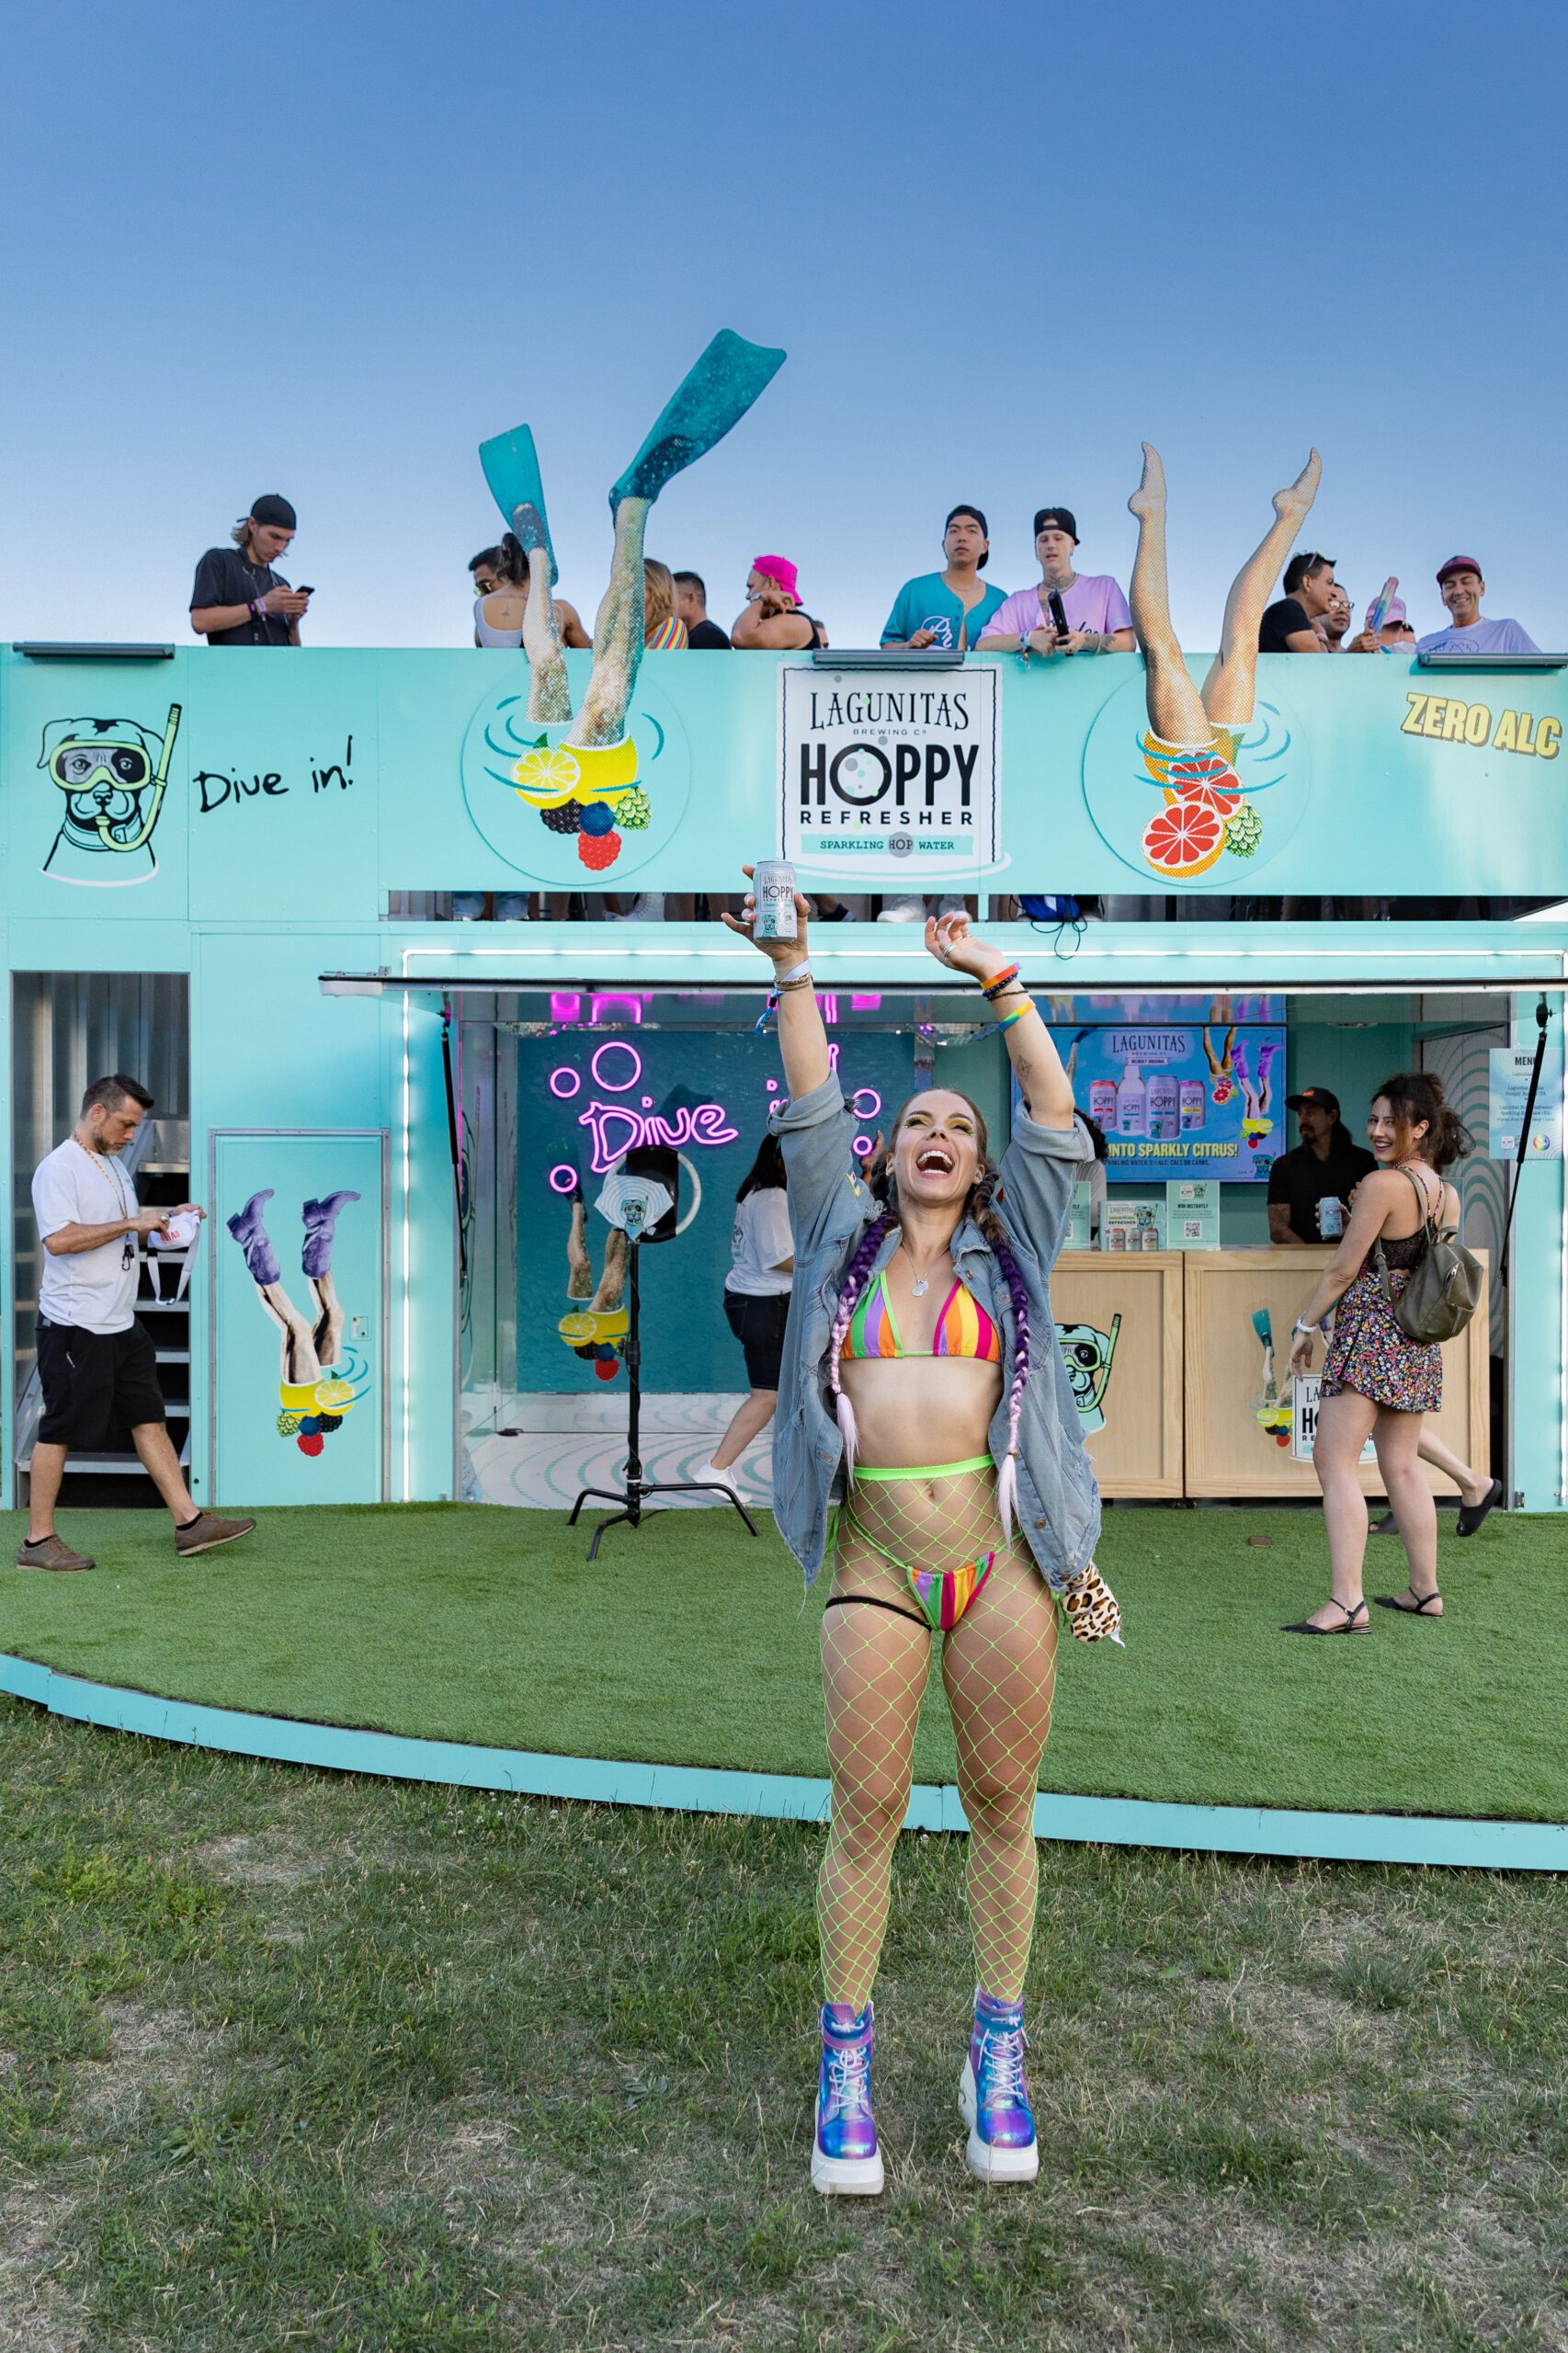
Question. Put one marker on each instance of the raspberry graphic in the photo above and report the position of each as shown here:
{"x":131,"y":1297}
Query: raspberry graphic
{"x":567,"y":819}
{"x":633,"y":811}
{"x":1243,"y":831}
{"x":598,"y":817}
{"x":598,"y":850}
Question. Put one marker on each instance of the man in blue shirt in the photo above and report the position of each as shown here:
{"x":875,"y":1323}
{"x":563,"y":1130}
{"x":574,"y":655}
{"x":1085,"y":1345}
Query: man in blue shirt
{"x":948,"y":608}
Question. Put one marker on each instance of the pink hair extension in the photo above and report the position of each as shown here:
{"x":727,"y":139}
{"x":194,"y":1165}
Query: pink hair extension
{"x":854,"y":1279}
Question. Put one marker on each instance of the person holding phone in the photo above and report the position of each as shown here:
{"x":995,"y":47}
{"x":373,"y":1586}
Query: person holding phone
{"x":238,"y":599}
{"x":1069,"y":612}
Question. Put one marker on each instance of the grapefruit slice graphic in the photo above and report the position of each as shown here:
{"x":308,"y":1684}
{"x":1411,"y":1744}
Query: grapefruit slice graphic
{"x":1184,"y":838}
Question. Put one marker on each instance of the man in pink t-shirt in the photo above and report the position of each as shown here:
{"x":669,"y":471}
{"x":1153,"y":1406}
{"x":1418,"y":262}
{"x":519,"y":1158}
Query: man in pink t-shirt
{"x":1097,"y":617}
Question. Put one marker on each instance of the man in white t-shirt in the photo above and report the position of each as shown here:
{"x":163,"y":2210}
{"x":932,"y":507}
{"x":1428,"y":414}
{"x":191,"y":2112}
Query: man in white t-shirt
{"x":1462,"y":588}
{"x":96,"y":1366}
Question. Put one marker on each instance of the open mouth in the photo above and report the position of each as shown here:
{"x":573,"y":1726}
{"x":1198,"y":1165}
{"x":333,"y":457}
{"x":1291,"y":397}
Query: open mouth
{"x":935,"y":1162}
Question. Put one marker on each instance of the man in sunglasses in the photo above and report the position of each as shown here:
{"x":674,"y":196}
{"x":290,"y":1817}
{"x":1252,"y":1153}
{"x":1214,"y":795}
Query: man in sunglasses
{"x":96,"y":1366}
{"x":1288,"y":625}
{"x":238,"y":599}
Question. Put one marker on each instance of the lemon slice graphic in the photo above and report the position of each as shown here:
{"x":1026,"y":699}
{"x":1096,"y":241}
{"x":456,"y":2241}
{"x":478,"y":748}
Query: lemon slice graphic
{"x":335,"y":1396}
{"x":547,"y":777}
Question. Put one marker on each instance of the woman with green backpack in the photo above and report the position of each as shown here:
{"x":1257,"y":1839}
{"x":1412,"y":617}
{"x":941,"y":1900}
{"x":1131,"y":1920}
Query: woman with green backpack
{"x":1400,"y":1285}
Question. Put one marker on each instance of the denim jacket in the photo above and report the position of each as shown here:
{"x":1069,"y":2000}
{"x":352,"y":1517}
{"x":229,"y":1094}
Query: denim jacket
{"x":830,"y":1207}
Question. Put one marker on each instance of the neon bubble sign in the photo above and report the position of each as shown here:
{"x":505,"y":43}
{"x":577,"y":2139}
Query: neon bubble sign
{"x":616,"y":1128}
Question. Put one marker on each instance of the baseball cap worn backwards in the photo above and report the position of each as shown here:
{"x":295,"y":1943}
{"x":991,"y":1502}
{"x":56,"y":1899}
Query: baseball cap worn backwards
{"x":1056,"y":519}
{"x":273,"y":509}
{"x":1313,"y":1099}
{"x":1460,"y":563}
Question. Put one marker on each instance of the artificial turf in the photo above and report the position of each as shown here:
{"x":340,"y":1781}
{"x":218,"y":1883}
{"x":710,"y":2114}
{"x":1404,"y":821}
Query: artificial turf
{"x":687,"y":1643}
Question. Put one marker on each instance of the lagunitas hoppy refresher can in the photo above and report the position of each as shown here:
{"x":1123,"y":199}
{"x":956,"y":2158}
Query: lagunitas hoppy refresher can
{"x":773,"y":887}
{"x":1331,"y":1219}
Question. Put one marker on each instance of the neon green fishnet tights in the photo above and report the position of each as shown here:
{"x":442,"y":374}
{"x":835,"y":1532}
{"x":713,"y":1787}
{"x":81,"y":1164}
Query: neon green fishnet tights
{"x":998,"y":1670}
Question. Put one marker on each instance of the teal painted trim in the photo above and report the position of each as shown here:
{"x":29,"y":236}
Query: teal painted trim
{"x":687,"y":1789}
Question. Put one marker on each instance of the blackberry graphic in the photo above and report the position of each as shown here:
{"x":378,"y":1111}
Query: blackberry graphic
{"x":1243,"y":831}
{"x":567,"y":819}
{"x":633,"y":811}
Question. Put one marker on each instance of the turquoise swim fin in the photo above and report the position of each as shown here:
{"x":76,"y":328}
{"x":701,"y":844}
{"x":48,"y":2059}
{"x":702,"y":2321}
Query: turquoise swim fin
{"x":511,"y":468}
{"x":715,"y":395}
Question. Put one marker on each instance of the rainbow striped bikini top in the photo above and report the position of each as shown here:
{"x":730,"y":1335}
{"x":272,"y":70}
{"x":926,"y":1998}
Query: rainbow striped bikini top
{"x":963,"y":1328}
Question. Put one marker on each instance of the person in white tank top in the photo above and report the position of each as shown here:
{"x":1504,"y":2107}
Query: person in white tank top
{"x":501,"y":577}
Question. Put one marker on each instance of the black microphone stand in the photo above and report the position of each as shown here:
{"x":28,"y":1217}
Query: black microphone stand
{"x":631,"y":1495}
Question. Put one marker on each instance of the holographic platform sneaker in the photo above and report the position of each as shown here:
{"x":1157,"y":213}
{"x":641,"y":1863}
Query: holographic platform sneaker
{"x":995,"y":2105}
{"x":846,"y":2160}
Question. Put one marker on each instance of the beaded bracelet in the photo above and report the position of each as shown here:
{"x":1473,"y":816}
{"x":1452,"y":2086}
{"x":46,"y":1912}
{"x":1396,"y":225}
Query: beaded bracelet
{"x":995,"y":987}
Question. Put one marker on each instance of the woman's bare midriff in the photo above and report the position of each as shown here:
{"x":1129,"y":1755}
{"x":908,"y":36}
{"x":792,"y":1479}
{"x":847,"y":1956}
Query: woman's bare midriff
{"x":914,"y":1410}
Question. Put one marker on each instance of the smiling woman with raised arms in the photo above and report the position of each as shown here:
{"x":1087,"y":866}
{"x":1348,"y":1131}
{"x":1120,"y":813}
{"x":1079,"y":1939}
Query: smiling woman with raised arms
{"x":916,"y":1330}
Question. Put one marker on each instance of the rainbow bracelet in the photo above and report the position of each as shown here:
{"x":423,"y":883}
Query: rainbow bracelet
{"x":1002,"y":981}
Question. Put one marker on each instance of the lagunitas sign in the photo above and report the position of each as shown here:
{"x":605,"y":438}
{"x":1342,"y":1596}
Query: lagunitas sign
{"x":891,"y":777}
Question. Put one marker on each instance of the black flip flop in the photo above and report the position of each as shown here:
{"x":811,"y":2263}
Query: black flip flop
{"x":1472,"y":1514}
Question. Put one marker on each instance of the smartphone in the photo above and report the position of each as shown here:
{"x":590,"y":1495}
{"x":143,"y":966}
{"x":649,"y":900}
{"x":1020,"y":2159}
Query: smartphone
{"x":304,"y":592}
{"x":1058,"y":613}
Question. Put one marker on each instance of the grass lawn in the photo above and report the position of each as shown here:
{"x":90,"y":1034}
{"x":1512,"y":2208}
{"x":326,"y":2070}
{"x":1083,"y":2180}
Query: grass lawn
{"x":687,"y":1643}
{"x":306,"y":2060}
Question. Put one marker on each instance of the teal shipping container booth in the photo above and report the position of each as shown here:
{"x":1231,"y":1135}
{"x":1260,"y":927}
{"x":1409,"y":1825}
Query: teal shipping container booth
{"x":239,"y":869}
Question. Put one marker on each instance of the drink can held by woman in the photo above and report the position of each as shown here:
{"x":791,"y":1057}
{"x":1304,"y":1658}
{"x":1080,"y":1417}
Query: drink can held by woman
{"x":773,"y":887}
{"x":1331,"y":1219}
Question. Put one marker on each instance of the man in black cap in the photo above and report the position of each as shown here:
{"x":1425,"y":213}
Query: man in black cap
{"x":1092,"y":603}
{"x":238,"y":600}
{"x":1325,"y":1167}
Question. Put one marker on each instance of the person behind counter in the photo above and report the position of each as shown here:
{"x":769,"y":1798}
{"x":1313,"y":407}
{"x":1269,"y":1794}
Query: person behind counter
{"x":756,"y":1303}
{"x":1324,"y":1167}
{"x":1376,"y":1382}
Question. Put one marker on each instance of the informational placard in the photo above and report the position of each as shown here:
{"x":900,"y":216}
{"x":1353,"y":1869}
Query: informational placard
{"x":1133,"y":1222}
{"x":1192,"y":1212}
{"x":1304,"y":1419}
{"x":1509,"y":1092}
{"x":889,"y":777}
{"x":1181,"y":1098}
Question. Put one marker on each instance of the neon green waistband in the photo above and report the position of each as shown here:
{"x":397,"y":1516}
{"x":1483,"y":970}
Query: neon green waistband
{"x":929,"y":1470}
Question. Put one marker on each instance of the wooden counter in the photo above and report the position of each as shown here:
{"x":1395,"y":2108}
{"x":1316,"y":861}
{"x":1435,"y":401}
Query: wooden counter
{"x":1176,"y":1412}
{"x":1138,"y":1451}
{"x":1227,"y":1452}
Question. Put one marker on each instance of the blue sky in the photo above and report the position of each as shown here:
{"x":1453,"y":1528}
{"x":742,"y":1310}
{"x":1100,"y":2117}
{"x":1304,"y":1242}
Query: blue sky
{"x":328,"y":248}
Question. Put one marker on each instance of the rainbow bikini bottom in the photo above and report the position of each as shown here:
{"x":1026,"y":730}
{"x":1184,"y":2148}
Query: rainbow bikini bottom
{"x":943,"y":1595}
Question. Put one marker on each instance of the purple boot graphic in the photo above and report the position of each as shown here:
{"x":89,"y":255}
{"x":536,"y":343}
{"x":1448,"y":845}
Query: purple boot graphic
{"x":321,"y":1221}
{"x":249,"y":1230}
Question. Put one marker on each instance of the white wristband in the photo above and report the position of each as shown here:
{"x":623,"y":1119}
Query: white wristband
{"x":1299,"y":1327}
{"x":799,"y":972}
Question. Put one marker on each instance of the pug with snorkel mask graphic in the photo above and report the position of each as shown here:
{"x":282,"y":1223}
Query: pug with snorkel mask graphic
{"x":113,"y":773}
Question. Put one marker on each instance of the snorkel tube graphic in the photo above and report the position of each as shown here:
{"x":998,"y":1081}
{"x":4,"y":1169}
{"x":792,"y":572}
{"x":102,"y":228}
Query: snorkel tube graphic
{"x":160,"y":780}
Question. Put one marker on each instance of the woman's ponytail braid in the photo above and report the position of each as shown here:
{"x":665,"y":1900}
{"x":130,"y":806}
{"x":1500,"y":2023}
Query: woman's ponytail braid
{"x":854,"y":1279}
{"x":983,"y":1212}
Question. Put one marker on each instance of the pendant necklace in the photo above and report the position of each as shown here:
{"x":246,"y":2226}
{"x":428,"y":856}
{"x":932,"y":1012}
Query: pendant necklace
{"x":920,"y":1283}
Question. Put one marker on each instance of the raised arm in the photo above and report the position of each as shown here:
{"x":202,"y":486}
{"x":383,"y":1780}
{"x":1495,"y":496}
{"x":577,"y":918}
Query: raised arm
{"x":803,"y":1040}
{"x":1044,"y":1085}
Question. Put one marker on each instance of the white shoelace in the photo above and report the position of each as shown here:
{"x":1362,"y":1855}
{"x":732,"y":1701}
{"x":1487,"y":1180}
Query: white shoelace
{"x":848,"y":2081}
{"x":1002,"y":2064}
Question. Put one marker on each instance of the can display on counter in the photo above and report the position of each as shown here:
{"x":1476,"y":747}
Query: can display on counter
{"x":773,"y":887}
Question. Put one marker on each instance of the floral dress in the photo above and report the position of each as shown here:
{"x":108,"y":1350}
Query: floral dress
{"x":1369,"y":1352}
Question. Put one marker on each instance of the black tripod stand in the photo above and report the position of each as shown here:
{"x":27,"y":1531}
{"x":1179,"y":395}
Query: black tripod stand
{"x":630,"y":1497}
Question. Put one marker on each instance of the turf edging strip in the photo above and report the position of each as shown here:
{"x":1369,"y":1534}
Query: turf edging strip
{"x":1121,"y":1822}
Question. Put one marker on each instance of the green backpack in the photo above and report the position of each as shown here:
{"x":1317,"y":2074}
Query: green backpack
{"x":1445,"y":1284}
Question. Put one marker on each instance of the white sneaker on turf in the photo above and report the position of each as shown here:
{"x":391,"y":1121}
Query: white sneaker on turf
{"x":702,"y":1474}
{"x":906,"y":910}
{"x":648,"y":906}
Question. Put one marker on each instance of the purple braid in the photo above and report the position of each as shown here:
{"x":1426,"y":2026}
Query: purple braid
{"x":991,"y":1226}
{"x":854,"y":1279}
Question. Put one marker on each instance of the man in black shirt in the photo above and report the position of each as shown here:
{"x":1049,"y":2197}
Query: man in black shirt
{"x":238,"y":600}
{"x":1324,"y":1167}
{"x":691,"y":604}
{"x":1286,"y":626}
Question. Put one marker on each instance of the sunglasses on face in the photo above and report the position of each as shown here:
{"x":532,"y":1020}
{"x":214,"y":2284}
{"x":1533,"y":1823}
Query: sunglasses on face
{"x":78,"y":764}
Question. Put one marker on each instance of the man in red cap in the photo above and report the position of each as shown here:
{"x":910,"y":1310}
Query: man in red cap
{"x":1462,"y":588}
